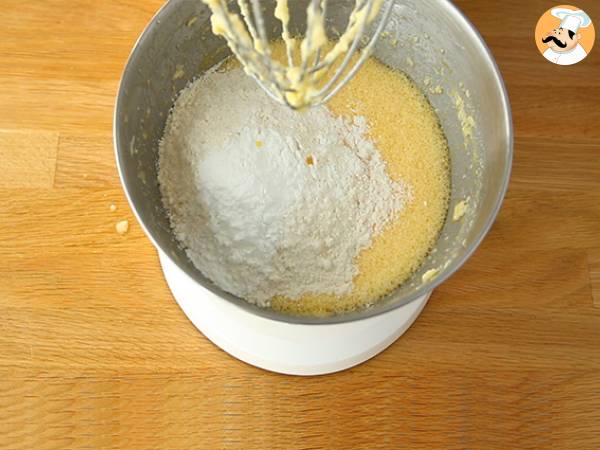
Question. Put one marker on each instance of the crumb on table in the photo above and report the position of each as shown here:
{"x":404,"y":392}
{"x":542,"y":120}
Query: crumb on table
{"x":122,"y":227}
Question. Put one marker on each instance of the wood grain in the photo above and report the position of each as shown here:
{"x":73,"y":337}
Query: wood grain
{"x":594,"y":268}
{"x":94,"y":353}
{"x":28,"y":158}
{"x":85,"y":160}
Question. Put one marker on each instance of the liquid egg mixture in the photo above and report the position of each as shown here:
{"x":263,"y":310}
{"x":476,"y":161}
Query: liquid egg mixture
{"x":316,"y":212}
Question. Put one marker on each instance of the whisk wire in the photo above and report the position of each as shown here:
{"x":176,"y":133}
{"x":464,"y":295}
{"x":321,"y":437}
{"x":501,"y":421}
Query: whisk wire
{"x":364,"y":55}
{"x":242,"y":51}
{"x":350,"y":53}
{"x":314,"y":8}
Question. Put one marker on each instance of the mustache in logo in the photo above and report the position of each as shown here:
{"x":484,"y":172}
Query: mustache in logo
{"x":556,"y":41}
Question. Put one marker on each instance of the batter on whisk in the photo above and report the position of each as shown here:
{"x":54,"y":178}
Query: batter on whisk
{"x":302,"y":81}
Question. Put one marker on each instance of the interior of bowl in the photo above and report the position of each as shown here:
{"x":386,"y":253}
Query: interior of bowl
{"x":429,"y":40}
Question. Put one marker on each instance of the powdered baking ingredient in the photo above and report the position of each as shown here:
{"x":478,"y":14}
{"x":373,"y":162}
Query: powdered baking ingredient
{"x":268,"y":201}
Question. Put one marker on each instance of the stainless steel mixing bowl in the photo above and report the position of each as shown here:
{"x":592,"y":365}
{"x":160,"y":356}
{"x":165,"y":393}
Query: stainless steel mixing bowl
{"x":430,"y":40}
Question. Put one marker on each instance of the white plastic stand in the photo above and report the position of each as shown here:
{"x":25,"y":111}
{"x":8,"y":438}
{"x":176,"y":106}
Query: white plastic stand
{"x":283,"y":347}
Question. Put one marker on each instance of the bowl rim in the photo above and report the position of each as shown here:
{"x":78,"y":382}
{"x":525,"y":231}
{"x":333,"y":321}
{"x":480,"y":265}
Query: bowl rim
{"x":361,"y":314}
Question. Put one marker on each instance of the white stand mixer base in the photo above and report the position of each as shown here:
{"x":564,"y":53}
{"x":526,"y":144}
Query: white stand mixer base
{"x":283,"y":347}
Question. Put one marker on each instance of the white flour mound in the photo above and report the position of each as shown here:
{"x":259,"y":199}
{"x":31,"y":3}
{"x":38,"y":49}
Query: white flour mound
{"x":268,"y":201}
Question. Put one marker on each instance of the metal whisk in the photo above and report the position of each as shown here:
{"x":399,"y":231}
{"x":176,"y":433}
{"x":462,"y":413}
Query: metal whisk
{"x":311,"y":81}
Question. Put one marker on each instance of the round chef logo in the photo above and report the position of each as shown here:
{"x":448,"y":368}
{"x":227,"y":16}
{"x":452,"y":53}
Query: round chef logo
{"x":565,"y":35}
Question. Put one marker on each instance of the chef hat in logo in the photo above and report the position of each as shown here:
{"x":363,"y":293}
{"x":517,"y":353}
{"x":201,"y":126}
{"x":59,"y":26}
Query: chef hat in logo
{"x":571,"y":19}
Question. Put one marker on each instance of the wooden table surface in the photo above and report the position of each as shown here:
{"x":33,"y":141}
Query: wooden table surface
{"x":94,"y":352}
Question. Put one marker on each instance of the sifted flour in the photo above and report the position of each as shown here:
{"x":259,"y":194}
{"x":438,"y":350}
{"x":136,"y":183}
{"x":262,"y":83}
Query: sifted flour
{"x":267,"y":201}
